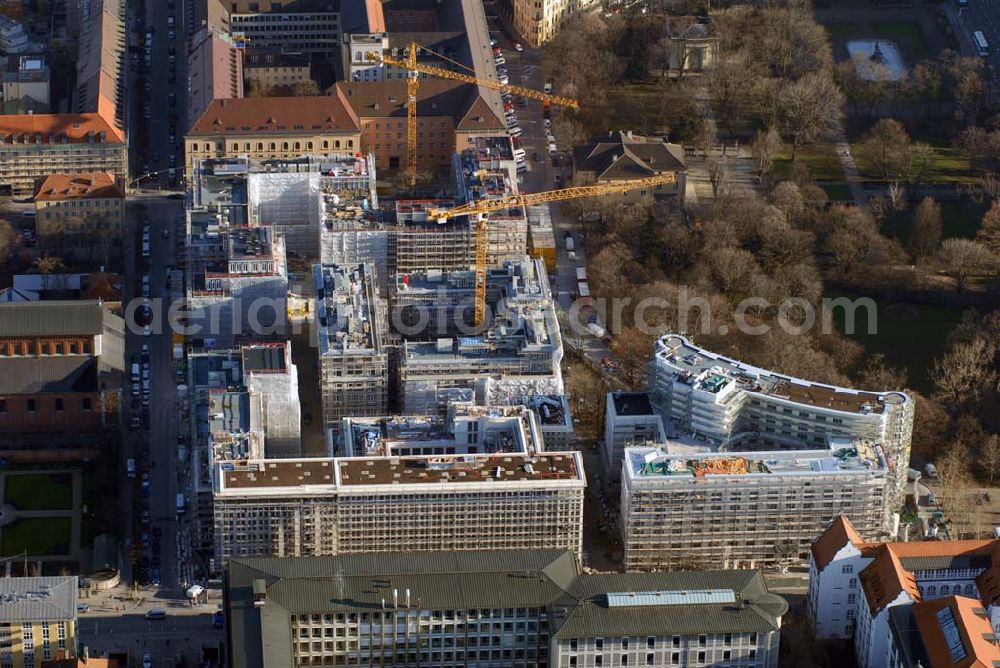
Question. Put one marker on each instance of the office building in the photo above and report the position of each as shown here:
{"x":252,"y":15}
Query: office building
{"x":740,"y":509}
{"x":307,"y":26}
{"x":32,"y":146}
{"x":629,"y":420}
{"x":214,"y":71}
{"x":37,"y":620}
{"x":26,"y":84}
{"x":520,"y":344}
{"x":921,"y":603}
{"x":325,"y":506}
{"x":71,"y":205}
{"x":525,"y":609}
{"x":724,"y":403}
{"x":351,"y":342}
{"x":551,"y":409}
{"x":269,"y":128}
{"x":276,"y":67}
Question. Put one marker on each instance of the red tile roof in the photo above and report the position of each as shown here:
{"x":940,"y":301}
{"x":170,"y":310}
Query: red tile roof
{"x":973,"y":629}
{"x":75,"y":128}
{"x":885,"y":578}
{"x":276,"y":115}
{"x":837,"y":535}
{"x":88,"y":185}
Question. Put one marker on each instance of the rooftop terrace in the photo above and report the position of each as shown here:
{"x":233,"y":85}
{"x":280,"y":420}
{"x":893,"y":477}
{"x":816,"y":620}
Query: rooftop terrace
{"x":346,"y":317}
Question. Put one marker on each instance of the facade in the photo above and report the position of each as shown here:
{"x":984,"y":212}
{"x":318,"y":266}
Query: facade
{"x":539,"y":21}
{"x":100,"y":68}
{"x":215,"y":71}
{"x":624,"y":156}
{"x":524,"y":609}
{"x":906,"y":604}
{"x":276,"y":67}
{"x":32,"y":146}
{"x":358,"y":52}
{"x":326,"y":506}
{"x":351,"y":341}
{"x":629,"y":420}
{"x":61,"y":367}
{"x":37,"y":620}
{"x":68,"y":204}
{"x":26,"y":84}
{"x":739,"y":509}
{"x":308,"y":26}
{"x":694,"y":47}
{"x":722,"y":402}
{"x":272,"y":128}
{"x":13,"y":38}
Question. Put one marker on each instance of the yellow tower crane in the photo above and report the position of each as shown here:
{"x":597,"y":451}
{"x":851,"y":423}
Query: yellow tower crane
{"x":482,"y":208}
{"x":415,"y":69}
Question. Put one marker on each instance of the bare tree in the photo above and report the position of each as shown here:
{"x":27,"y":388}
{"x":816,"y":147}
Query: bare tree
{"x":878,"y":375}
{"x":306,"y":88}
{"x":964,"y":371}
{"x":954,"y":475}
{"x":964,"y":258}
{"x":991,"y":456}
{"x":8,"y":240}
{"x":765,"y":145}
{"x":811,"y":109}
{"x":718,"y":176}
{"x":926,"y":238}
{"x":732,"y":267}
{"x":989,"y":230}
{"x":887,"y":152}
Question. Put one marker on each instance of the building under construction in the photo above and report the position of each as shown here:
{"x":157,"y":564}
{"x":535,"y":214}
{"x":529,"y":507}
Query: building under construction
{"x":745,"y":509}
{"x":351,"y":343}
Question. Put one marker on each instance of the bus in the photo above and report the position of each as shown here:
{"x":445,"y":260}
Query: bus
{"x":981,"y":43}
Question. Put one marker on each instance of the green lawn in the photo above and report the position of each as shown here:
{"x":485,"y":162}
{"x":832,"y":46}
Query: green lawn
{"x":947,"y":167}
{"x":634,"y":106}
{"x":39,"y":536}
{"x":821,"y":159}
{"x":39,"y":491}
{"x":842,"y":29}
{"x":906,"y":34}
{"x":909,"y":335}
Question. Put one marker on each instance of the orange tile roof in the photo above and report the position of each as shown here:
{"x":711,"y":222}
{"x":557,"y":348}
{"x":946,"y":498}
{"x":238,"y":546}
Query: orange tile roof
{"x":89,"y":185}
{"x":376,"y":19}
{"x":933,"y":548}
{"x":74,"y":127}
{"x":988,"y":581}
{"x":885,"y":578}
{"x":276,"y":115}
{"x":972,"y":625}
{"x":837,"y":535}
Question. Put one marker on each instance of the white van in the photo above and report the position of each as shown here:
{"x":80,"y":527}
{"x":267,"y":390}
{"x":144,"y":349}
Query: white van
{"x":552,"y":149}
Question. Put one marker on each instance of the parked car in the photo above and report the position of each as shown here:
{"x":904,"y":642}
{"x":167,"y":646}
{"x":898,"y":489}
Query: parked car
{"x":518,"y":47}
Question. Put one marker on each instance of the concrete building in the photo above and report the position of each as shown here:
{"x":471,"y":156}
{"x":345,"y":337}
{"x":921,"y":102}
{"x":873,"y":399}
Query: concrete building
{"x":907,"y":604}
{"x":358,"y":51}
{"x":623,"y":156}
{"x":323,"y":506}
{"x":276,"y":67}
{"x":215,"y":71}
{"x":37,"y":620}
{"x":13,"y":38}
{"x":551,"y":410}
{"x":307,"y":26}
{"x":237,"y":282}
{"x":524,"y":609}
{"x":629,"y":420}
{"x":68,"y":205}
{"x":32,"y":146}
{"x":272,"y":128}
{"x":739,"y":509}
{"x":521,"y":344}
{"x":351,"y":342}
{"x":61,"y":366}
{"x":26,"y":84}
{"x":719,"y":401}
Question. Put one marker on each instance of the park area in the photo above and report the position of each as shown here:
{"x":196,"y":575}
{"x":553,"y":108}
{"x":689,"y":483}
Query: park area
{"x":39,"y":491}
{"x":40,"y":514}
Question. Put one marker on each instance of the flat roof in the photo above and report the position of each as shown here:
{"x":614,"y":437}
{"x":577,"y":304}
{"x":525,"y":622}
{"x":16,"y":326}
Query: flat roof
{"x":711,"y":372}
{"x":632,"y":403}
{"x":279,"y":473}
{"x":474,"y":469}
{"x":346,"y":312}
{"x":38,"y":599}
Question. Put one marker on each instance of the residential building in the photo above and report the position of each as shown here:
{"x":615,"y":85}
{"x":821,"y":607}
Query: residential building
{"x":722,"y":402}
{"x":906,"y":604}
{"x":623,"y":156}
{"x":271,"y":67}
{"x":351,"y":342}
{"x":629,"y":420}
{"x":308,"y":26}
{"x":273,"y":128}
{"x":37,"y":620}
{"x":61,"y":365}
{"x":100,"y":70}
{"x":524,"y":608}
{"x":26,"y":84}
{"x":739,"y":509}
{"x":692,"y":47}
{"x":212,"y":15}
{"x":90,"y":286}
{"x":538,"y":21}
{"x":520,"y":345}
{"x":359,"y":52}
{"x":215,"y":71}
{"x":325,"y":506}
{"x":69,"y":205}
{"x":32,"y":146}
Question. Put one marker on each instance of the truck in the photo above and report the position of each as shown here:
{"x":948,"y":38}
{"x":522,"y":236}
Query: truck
{"x":180,"y":504}
{"x":581,"y":274}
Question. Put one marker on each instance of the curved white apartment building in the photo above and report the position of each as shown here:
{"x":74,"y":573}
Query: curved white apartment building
{"x":735,"y":406}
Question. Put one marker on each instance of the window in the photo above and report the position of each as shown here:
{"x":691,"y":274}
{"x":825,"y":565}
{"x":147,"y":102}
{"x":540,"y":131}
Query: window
{"x":650,"y":659}
{"x":651,"y":642}
{"x":932,"y":590}
{"x":851,"y":597}
{"x":675,"y":658}
{"x":853,"y":584}
{"x":847,"y":570}
{"x":260,"y":146}
{"x":31,"y":405}
{"x":701,"y":656}
{"x":944,"y":590}
{"x":59,"y":403}
{"x":194,"y":146}
{"x":850,"y":614}
{"x":624,"y":661}
{"x":624,"y":643}
{"x":727,"y":655}
{"x":598,"y":660}
{"x":702,"y":640}
{"x":3,"y":406}
{"x":599,"y":644}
